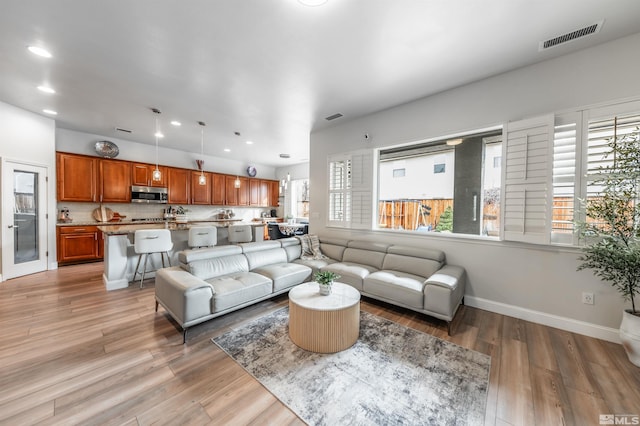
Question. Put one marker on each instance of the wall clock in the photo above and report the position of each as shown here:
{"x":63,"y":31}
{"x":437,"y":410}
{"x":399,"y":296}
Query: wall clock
{"x":251,"y":171}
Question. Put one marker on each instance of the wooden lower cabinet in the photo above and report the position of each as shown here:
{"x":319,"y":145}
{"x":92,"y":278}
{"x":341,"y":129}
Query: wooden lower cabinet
{"x":79,"y":244}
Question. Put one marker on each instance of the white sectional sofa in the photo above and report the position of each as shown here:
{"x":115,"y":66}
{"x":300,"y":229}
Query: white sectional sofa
{"x":214,"y":281}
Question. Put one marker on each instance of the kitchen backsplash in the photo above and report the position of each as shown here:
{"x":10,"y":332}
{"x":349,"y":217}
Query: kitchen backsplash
{"x":83,"y":212}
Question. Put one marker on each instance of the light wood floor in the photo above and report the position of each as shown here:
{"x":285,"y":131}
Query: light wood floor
{"x":71,"y":353}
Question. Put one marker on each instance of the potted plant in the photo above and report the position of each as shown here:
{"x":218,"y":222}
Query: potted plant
{"x":325,"y":279}
{"x":612,"y":232}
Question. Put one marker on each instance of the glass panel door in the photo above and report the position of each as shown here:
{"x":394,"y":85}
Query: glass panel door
{"x":25,"y":225}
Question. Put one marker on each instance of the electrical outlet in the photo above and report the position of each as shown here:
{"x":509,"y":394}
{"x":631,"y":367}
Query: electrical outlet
{"x":587,"y":298}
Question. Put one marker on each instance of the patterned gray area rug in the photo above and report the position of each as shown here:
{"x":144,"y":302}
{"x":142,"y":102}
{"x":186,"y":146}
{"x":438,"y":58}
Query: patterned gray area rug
{"x":393,"y":375}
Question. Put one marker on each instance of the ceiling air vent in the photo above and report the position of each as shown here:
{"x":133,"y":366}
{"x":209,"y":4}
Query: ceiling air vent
{"x":120,"y":129}
{"x":573,"y":35}
{"x":333,"y":117}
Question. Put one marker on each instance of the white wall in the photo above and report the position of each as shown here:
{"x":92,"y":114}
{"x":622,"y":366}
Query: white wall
{"x":528,"y":281}
{"x":30,"y":138}
{"x":83,"y":143}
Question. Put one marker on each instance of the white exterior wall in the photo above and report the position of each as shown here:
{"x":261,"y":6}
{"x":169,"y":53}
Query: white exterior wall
{"x":527,"y":281}
{"x":30,"y":138}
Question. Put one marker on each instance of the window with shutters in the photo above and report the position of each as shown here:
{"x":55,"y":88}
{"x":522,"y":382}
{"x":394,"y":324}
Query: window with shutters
{"x":351,"y":190}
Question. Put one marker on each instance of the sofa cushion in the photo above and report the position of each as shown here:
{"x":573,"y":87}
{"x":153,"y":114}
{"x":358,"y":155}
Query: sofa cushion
{"x":285,"y":275}
{"x":259,"y":246}
{"x":217,"y":266}
{"x":350,"y":273}
{"x":261,"y":258}
{"x":188,"y":256}
{"x":315,"y":264}
{"x":401,"y":287}
{"x":413,"y":265}
{"x":236,"y":289}
{"x":333,"y":247}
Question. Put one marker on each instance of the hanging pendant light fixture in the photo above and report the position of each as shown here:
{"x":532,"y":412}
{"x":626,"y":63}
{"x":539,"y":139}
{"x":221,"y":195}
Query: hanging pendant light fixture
{"x":236,"y":183}
{"x":157,"y":175}
{"x":202,"y":180}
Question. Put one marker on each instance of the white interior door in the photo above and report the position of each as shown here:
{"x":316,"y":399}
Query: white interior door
{"x":24,"y":219}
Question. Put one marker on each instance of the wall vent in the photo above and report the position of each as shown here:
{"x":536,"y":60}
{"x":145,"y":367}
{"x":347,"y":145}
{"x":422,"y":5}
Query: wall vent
{"x":119,"y":129}
{"x":573,"y":35}
{"x":333,"y":117}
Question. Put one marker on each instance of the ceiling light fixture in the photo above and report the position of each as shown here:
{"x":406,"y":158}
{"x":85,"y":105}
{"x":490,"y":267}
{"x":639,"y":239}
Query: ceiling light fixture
{"x":249,"y":142}
{"x":202,"y":180}
{"x":236,"y":183}
{"x":157,"y":175}
{"x":226,"y":150}
{"x":46,"y":89}
{"x":49,"y":111}
{"x":454,"y":142}
{"x":176,"y":123}
{"x":40,"y":51}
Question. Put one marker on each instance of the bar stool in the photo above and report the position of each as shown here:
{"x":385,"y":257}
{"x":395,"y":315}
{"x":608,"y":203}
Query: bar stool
{"x":149,"y":241}
{"x":240,"y":234}
{"x":203,"y":236}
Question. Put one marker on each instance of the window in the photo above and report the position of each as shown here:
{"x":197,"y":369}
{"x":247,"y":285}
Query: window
{"x":398,"y":173}
{"x":351,"y":189}
{"x":446,"y":188}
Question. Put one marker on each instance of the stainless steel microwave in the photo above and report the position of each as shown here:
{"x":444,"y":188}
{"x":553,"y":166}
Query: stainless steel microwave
{"x":149,"y":194}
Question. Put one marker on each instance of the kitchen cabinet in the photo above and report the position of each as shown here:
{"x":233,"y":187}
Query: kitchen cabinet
{"x":200,"y":194}
{"x":79,"y":244}
{"x":77,"y":177}
{"x":115,"y":182}
{"x":236,"y":196}
{"x":178,"y":183}
{"x":218,"y":189}
{"x":274,"y":193}
{"x":142,"y":175}
{"x":259,"y":192}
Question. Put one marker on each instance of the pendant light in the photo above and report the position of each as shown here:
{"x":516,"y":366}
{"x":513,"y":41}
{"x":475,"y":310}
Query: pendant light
{"x":157,"y":175}
{"x":236,"y":183}
{"x":202,"y":180}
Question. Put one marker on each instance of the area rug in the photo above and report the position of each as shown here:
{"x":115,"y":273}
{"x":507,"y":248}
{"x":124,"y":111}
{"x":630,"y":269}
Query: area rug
{"x":393,"y":375}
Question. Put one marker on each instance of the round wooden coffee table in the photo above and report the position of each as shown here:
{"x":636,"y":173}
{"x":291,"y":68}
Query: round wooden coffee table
{"x":324,"y":324}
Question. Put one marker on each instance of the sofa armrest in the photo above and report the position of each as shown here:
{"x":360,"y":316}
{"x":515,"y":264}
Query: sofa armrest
{"x":185,"y":296}
{"x":449,"y":276}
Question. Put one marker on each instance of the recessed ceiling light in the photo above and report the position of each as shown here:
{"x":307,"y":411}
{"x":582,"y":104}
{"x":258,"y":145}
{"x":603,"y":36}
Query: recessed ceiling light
{"x":249,"y":142}
{"x":158,"y":134}
{"x":46,"y":89}
{"x":454,"y":142}
{"x":227,"y":150}
{"x":312,"y":3}
{"x":49,"y":111}
{"x":40,"y":51}
{"x":176,"y":123}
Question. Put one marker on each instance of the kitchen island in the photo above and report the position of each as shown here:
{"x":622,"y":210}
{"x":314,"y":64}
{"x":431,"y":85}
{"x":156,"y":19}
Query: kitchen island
{"x":120,"y":258}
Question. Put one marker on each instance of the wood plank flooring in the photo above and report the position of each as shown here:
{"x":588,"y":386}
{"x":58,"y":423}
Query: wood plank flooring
{"x":72,"y":353}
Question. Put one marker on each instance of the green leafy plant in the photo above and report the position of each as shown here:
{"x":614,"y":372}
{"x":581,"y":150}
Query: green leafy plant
{"x":446,"y":220}
{"x":325,"y":277}
{"x":612,"y":229}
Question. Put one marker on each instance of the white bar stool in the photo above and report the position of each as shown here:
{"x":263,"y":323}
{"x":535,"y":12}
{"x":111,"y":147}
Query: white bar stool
{"x":240,"y":234}
{"x":149,"y":241}
{"x":203,"y":236}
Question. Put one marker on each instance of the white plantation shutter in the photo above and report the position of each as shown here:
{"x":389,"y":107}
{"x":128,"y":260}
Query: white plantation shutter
{"x":351,"y":190}
{"x":527,"y":188}
{"x":565,"y":170}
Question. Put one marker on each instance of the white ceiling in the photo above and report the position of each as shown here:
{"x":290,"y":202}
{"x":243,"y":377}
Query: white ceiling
{"x":269,"y":69}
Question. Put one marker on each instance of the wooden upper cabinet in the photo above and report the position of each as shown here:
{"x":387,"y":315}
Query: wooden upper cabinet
{"x":115,"y":181}
{"x":200,"y":194}
{"x":77,"y":177}
{"x":237,"y":196}
{"x":264,"y":193}
{"x":254,"y":192}
{"x":142,"y":175}
{"x":179,"y":181}
{"x":274,"y":193}
{"x":218,"y":189}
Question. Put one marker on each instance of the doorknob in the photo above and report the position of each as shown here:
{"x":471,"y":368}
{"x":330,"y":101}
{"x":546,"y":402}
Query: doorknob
{"x":12,"y":226}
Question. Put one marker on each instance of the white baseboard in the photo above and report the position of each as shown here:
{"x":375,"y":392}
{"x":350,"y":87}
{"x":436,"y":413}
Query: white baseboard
{"x":563,"y":323}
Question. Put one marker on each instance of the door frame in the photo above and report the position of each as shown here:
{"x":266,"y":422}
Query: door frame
{"x":9,"y":269}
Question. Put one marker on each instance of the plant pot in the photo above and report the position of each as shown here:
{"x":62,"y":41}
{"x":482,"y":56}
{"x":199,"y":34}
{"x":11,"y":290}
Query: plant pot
{"x":630,"y":336}
{"x":325,"y":289}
